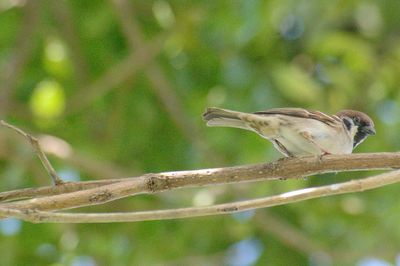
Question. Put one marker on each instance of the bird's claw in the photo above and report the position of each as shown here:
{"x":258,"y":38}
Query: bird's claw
{"x":282,"y":159}
{"x":320,"y":156}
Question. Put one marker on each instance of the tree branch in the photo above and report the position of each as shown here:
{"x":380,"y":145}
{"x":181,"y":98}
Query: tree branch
{"x":281,"y":199}
{"x":39,"y":152}
{"x":154,"y":183}
{"x":52,"y":190}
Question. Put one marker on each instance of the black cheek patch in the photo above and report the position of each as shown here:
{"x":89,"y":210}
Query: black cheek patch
{"x":347,"y":123}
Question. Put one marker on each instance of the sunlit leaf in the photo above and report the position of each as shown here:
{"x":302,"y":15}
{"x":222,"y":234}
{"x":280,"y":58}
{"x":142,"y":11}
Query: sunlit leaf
{"x":47,"y":100}
{"x":55,"y":58}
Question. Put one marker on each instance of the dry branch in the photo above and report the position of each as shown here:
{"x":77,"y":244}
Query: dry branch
{"x":285,"y":198}
{"x":52,"y":190}
{"x":38,"y":150}
{"x":154,"y":183}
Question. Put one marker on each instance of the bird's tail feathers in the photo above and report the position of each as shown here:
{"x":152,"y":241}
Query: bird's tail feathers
{"x":217,"y":117}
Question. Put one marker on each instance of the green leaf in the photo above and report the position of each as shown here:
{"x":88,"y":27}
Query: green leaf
{"x":47,"y":100}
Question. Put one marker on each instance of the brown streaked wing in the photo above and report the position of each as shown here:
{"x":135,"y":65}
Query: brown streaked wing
{"x":302,"y":113}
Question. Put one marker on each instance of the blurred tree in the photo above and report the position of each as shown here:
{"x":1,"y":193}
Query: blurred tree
{"x":124,"y":83}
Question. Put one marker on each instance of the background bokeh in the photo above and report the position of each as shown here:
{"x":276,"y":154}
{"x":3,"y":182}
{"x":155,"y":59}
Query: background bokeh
{"x":116,"y":88}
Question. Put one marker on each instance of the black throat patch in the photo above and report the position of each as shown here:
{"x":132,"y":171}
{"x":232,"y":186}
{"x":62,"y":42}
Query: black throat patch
{"x":359,"y":137}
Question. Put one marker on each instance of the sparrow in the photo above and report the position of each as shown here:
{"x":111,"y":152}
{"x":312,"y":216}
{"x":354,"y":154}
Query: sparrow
{"x":299,"y":132}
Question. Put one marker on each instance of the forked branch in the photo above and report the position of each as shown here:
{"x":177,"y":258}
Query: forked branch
{"x":42,"y":156}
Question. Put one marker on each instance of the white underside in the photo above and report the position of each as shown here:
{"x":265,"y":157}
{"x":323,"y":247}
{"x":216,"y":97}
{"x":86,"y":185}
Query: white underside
{"x":324,"y":138}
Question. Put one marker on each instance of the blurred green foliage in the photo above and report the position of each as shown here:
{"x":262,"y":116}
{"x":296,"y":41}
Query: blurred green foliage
{"x":68,"y":71}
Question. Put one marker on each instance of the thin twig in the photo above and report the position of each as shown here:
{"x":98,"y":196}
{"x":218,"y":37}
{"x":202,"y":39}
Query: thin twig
{"x":154,"y":183}
{"x":281,"y":199}
{"x":42,"y":156}
{"x":67,"y":187}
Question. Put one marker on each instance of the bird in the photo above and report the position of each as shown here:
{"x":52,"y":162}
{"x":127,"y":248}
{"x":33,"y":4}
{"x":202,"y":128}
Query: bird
{"x":297,"y":132}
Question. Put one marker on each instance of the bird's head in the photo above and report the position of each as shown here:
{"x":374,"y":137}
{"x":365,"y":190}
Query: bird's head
{"x":358,"y":124}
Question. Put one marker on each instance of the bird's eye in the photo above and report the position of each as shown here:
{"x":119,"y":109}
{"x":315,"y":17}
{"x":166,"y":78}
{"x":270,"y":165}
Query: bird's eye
{"x":356,"y":120}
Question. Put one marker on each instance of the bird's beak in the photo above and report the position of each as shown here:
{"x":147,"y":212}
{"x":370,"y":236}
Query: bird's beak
{"x":369,"y":130}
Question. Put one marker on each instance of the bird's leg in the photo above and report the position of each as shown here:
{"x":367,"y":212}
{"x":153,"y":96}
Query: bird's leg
{"x":308,"y":137}
{"x":279,"y":146}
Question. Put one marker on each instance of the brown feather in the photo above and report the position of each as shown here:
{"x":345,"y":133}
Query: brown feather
{"x":302,"y":113}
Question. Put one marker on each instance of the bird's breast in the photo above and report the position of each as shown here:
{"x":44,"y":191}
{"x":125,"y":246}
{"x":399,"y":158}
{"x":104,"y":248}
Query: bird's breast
{"x":331,"y":139}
